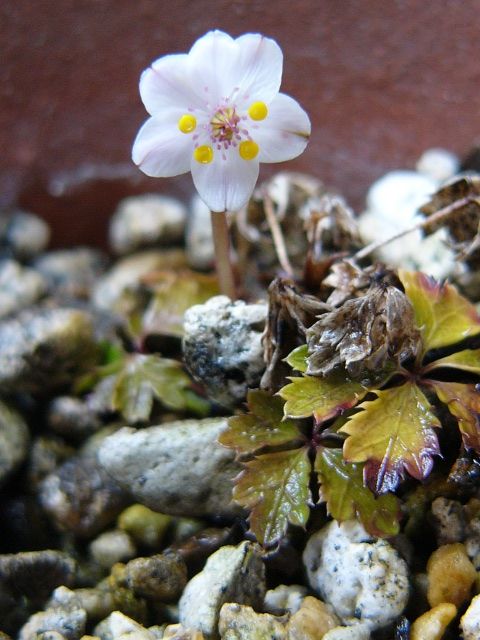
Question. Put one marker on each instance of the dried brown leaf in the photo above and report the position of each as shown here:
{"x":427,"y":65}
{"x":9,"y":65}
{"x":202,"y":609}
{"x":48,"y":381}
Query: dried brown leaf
{"x":460,"y":199}
{"x":290,"y":313}
{"x":364,"y":334}
{"x":348,"y":281}
{"x":332,"y":232}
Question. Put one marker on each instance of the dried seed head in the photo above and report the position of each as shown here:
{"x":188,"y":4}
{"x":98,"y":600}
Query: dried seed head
{"x":364,"y":333}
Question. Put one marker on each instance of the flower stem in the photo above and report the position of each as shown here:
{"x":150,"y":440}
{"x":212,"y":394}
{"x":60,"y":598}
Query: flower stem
{"x":435,"y":218}
{"x":221,"y":242}
{"x":277,"y":236}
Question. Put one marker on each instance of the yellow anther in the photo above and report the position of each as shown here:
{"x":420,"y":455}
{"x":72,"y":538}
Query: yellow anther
{"x":248,"y":149}
{"x":187,"y":123}
{"x":258,"y":111}
{"x":203,"y":154}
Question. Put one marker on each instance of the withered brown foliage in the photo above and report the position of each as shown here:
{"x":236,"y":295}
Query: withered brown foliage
{"x":365,"y":332}
{"x":460,"y":200}
{"x":290,"y":313}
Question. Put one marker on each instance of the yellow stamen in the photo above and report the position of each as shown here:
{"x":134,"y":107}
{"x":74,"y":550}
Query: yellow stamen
{"x":203,"y":154}
{"x":258,"y":111}
{"x":187,"y":123}
{"x":248,"y":149}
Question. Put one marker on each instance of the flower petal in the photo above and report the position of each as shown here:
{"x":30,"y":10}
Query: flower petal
{"x":161,"y":149}
{"x":258,"y":70}
{"x":211,"y":62}
{"x":284,"y":133}
{"x":246,"y":69}
{"x":166,"y":84}
{"x":225,"y":185}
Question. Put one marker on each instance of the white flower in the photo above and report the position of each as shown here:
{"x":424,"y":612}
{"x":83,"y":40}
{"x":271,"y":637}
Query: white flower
{"x":218,"y":113}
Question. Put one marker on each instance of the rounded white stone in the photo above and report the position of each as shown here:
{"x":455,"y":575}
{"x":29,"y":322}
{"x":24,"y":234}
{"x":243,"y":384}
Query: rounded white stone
{"x":392,"y":206}
{"x":438,"y":164}
{"x":470,"y":621}
{"x":362,"y":577}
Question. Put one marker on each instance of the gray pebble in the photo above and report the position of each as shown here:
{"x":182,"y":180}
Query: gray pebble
{"x":71,"y":272}
{"x":232,"y":574}
{"x":161,"y":577}
{"x":146,"y":220}
{"x":14,"y":439}
{"x":20,"y":287}
{"x":34,"y":574}
{"x":176,"y":468}
{"x":119,"y":290}
{"x":46,"y":454}
{"x":24,"y":234}
{"x":449,"y":521}
{"x":222,"y":347}
{"x":42,"y":349}
{"x":111,"y":547}
{"x":120,"y":627}
{"x":72,"y":418}
{"x":64,"y":615}
{"x":80,"y":497}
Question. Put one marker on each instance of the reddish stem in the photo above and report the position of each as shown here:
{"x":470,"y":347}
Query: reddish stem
{"x":223,"y":262}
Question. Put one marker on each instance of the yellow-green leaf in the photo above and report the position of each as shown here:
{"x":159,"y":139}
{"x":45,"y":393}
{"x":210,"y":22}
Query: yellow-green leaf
{"x":145,"y":378}
{"x":263,"y":427}
{"x":343,"y":489}
{"x":324,"y":398}
{"x":297,"y":359}
{"x":444,"y":316}
{"x":393,"y":434}
{"x":173,"y":293}
{"x":274,"y":487}
{"x":467,"y":360}
{"x":463,"y":401}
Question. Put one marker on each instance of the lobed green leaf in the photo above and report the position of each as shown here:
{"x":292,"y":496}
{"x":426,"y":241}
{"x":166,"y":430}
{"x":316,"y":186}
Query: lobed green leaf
{"x":263,"y":426}
{"x":463,"y":402}
{"x":297,"y":359}
{"x":324,"y":398}
{"x":275,"y":487}
{"x":146,"y":378}
{"x":443,"y":315}
{"x":393,"y":434}
{"x":343,"y":489}
{"x":467,"y":360}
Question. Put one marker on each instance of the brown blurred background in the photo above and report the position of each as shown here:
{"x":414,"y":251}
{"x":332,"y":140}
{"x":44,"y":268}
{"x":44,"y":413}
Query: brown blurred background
{"x":383,"y":80}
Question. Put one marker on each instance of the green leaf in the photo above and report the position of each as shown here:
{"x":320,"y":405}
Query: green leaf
{"x":263,"y":426}
{"x":467,"y":360}
{"x":324,"y":398}
{"x":342,"y":488}
{"x":444,"y":316}
{"x":174,"y":293}
{"x":297,"y":359}
{"x":274,"y":487}
{"x":111,"y":359}
{"x":145,"y":378}
{"x":393,"y":434}
{"x":463,"y":402}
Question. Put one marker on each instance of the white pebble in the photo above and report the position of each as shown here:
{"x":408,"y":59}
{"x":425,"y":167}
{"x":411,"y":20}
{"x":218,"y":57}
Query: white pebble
{"x":438,"y":164}
{"x":362,"y":577}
